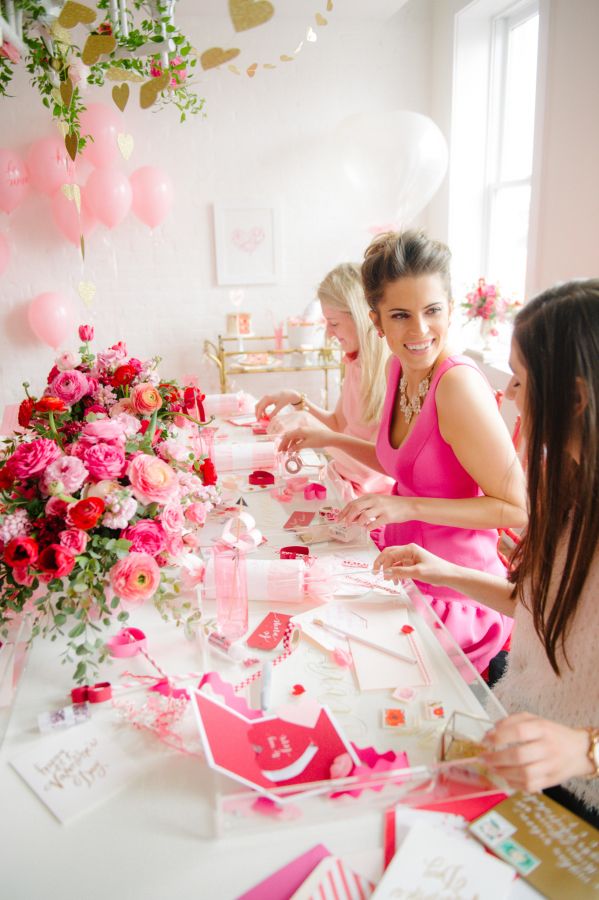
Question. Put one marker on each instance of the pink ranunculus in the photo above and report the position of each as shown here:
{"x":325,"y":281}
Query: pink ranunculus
{"x":70,"y":386}
{"x":129,"y":424}
{"x":67,"y":360}
{"x":92,"y":385}
{"x":109,"y":359}
{"x":32,"y":457}
{"x":135,"y":578}
{"x":86,"y":333}
{"x":146,"y":536}
{"x":67,"y":473}
{"x":172,"y":449}
{"x":103,"y":431}
{"x":104,"y":461}
{"x":172,"y":517}
{"x":74,"y":539}
{"x":152,"y":480}
{"x":196,"y":513}
{"x":121,"y":406}
{"x":145,"y":399}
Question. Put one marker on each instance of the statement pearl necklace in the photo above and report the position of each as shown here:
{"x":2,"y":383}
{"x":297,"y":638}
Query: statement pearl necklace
{"x":411,"y":408}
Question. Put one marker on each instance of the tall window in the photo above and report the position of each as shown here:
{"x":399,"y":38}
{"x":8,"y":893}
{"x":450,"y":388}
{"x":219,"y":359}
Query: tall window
{"x":510,"y":146}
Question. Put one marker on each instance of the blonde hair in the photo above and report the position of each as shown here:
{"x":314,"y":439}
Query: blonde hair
{"x":342,"y":288}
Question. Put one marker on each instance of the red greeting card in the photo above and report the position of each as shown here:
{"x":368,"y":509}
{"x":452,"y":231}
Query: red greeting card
{"x":299,"y":519}
{"x":269,"y":632}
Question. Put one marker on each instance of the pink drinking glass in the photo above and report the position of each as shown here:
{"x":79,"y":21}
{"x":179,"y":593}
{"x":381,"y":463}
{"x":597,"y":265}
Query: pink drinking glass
{"x":230,"y":578}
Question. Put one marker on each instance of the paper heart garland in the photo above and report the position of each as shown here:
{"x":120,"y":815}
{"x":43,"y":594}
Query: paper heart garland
{"x":97,"y":45}
{"x":87,"y":291}
{"x":216,"y":56}
{"x":125,"y":142}
{"x":72,"y":192}
{"x":73,"y":14}
{"x":71,"y":144}
{"x":148,"y":92}
{"x":247,"y":14}
{"x":120,"y":95}
{"x":66,"y":92}
{"x":115,"y":73}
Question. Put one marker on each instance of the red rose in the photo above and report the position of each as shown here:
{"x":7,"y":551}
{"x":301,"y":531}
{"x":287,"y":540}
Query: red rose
{"x":21,"y":552}
{"x":55,"y":561}
{"x":54,"y":371}
{"x":6,"y":479}
{"x":208,"y":472}
{"x":123,"y":375}
{"x":86,"y":513}
{"x":26,"y":411}
{"x":50,"y":404}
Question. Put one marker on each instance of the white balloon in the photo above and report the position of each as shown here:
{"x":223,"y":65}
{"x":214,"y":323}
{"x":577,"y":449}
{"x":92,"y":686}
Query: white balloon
{"x":396,"y":160}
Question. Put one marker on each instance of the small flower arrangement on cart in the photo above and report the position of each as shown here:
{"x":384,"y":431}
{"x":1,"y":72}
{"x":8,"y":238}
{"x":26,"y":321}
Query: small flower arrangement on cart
{"x":485,"y":303}
{"x":102,"y":498}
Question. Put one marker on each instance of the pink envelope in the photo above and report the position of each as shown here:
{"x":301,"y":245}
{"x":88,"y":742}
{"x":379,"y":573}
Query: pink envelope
{"x":283,"y":883}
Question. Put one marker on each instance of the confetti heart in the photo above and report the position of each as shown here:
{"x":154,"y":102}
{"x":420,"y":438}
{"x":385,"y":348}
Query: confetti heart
{"x":406,"y":629}
{"x":320,"y":20}
{"x":298,"y":689}
{"x":97,"y":45}
{"x":73,"y":193}
{"x":73,"y":14}
{"x":66,"y":92}
{"x":120,"y":95}
{"x":250,"y":13}
{"x":148,"y":92}
{"x":87,"y":291}
{"x":126,"y":143}
{"x":216,"y":56}
{"x":70,"y":142}
{"x":251,"y":70}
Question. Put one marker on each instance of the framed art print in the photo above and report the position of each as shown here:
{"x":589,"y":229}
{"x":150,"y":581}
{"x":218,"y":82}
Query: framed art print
{"x":247,"y":244}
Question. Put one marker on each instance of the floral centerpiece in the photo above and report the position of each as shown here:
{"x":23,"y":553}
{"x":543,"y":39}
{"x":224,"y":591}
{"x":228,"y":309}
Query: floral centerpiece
{"x":485,"y":303}
{"x":102,"y":497}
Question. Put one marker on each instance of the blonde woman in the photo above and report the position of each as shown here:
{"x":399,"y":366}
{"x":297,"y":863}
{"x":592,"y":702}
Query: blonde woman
{"x":360,"y":403}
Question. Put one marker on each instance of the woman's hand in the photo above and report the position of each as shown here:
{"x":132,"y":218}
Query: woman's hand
{"x":533,"y":753}
{"x":300,"y":438}
{"x":412,"y":561}
{"x":376,"y":510}
{"x":277,"y":401}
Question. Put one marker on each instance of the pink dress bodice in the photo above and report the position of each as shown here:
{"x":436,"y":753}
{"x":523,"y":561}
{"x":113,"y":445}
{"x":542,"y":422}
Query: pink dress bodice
{"x":424,"y":465}
{"x":363,"y":479}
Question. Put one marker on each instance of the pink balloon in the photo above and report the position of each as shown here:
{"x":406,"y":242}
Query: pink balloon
{"x":152,"y":195}
{"x":108,"y":194}
{"x":4,"y":253}
{"x":68,"y":221}
{"x":49,"y":165}
{"x":14,"y":180}
{"x":103,"y":123}
{"x":51,"y":317}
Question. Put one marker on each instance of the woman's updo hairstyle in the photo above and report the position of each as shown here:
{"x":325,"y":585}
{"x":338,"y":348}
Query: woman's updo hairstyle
{"x":396,"y":255}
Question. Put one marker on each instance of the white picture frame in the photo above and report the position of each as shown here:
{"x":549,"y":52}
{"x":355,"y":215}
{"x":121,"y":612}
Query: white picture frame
{"x":247,"y":243}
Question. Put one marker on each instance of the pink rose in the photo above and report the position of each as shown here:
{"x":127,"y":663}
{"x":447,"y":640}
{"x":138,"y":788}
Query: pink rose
{"x":152,"y":480}
{"x":66,"y":361}
{"x":104,"y":461}
{"x":32,"y":458}
{"x":174,"y":544}
{"x":172,"y":517}
{"x":135,"y":578}
{"x":145,"y":399}
{"x":196,"y":513}
{"x":74,"y":540}
{"x":146,"y":536}
{"x":64,"y":476}
{"x":70,"y":386}
{"x":56,"y":507}
{"x":103,"y":431}
{"x":86,"y":332}
{"x":121,"y":406}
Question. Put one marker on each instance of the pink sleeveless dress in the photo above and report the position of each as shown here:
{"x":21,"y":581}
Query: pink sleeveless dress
{"x":426,"y":466}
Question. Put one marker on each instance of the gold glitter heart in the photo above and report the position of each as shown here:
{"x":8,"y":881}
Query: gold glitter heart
{"x":251,"y":70}
{"x":250,"y":13}
{"x":329,"y":5}
{"x":71,"y":144}
{"x":73,"y":193}
{"x":120,"y":95}
{"x":66,"y":91}
{"x":148,"y":92}
{"x":320,"y":20}
{"x":268,"y":66}
{"x":60,"y":34}
{"x":216,"y":56}
{"x":126,"y":143}
{"x":97,"y":45}
{"x":115,"y":73}
{"x":73,"y":14}
{"x":87,"y":291}
{"x":234,"y":70}
{"x":285,"y":58}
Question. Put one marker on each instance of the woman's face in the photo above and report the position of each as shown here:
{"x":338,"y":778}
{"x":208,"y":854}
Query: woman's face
{"x":516,"y":389}
{"x":414,"y":317}
{"x":341,"y":325}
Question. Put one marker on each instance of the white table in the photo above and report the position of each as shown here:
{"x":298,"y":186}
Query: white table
{"x":155,"y":839}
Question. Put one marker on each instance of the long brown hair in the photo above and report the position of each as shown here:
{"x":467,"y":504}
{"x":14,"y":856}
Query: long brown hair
{"x":557,"y":336}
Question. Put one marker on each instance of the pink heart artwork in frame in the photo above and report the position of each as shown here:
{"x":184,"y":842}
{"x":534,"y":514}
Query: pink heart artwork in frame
{"x":248,"y":239}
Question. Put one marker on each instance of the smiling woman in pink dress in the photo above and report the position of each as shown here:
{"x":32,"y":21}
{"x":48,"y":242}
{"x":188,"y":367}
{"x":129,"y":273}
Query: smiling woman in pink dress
{"x":441,"y":438}
{"x":362,"y":395}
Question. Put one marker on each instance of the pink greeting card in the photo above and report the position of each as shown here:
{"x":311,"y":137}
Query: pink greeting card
{"x":271,"y":751}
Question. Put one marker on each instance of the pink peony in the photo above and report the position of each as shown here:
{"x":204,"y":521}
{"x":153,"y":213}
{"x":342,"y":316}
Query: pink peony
{"x":74,"y":539}
{"x":32,"y":458}
{"x":103,"y":431}
{"x":70,"y":386}
{"x":152,"y":480}
{"x":104,"y":461}
{"x":64,"y":476}
{"x":86,"y":332}
{"x":196,"y":513}
{"x":135,"y":578}
{"x":146,"y":536}
{"x":172,"y":517}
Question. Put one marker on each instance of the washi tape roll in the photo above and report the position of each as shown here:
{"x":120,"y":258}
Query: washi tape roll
{"x":293,"y":551}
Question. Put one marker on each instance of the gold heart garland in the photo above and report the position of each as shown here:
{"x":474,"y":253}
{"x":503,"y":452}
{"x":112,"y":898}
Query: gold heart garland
{"x":246,"y":14}
{"x":73,"y":14}
{"x":97,"y":45}
{"x":73,"y":193}
{"x":216,"y":56}
{"x":87,"y":291}
{"x":126,"y":144}
{"x":148,"y":92}
{"x":120,"y":95}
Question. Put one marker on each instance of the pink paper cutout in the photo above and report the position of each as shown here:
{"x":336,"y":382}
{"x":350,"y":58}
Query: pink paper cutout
{"x":225,"y":690}
{"x":283,"y":883}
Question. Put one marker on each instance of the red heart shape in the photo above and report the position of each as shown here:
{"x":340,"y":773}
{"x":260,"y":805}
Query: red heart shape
{"x":407,"y":629}
{"x":298,"y":689}
{"x":277,"y":743}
